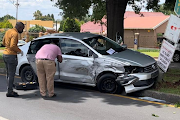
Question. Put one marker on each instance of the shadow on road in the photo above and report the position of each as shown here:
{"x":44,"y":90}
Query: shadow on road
{"x":68,"y":93}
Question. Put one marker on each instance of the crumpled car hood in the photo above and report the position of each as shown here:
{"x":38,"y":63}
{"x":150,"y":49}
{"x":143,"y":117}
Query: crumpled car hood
{"x":133,"y":57}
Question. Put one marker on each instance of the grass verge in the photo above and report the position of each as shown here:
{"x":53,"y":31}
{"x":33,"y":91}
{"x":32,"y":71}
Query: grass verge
{"x":2,"y":65}
{"x":2,"y":48}
{"x":170,"y":83}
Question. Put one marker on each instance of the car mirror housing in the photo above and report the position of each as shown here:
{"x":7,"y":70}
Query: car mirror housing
{"x":124,"y":46}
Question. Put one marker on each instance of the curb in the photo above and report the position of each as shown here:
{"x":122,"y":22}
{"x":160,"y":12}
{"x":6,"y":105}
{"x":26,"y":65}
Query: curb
{"x":171,"y":98}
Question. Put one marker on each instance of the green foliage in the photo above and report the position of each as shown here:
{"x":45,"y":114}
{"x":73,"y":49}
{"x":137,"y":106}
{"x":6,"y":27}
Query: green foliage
{"x":61,"y":25}
{"x":38,"y":16}
{"x":6,"y":24}
{"x":71,"y":25}
{"x":31,"y":38}
{"x":37,"y":29}
{"x":2,"y":35}
{"x":176,"y":105}
{"x":74,"y":8}
{"x":6,"y":17}
{"x":163,"y":9}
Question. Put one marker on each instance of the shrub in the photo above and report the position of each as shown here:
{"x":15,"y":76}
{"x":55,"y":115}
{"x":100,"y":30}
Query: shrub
{"x":2,"y":35}
{"x":37,"y":29}
{"x":71,"y":25}
{"x":5,"y":24}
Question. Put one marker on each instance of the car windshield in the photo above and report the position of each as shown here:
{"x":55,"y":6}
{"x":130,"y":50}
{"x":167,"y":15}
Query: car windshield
{"x":103,"y":45}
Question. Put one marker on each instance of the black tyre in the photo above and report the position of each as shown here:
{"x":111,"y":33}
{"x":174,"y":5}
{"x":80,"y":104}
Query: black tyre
{"x":176,"y":57}
{"x":106,"y":83}
{"x":28,"y":75}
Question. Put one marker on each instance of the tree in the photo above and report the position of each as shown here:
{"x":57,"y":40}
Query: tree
{"x":163,"y":10}
{"x":113,"y":9}
{"x":37,"y":14}
{"x":6,"y":17}
{"x":37,"y":29}
{"x":71,"y":25}
{"x":52,"y":16}
{"x":61,"y":25}
{"x":5,"y":24}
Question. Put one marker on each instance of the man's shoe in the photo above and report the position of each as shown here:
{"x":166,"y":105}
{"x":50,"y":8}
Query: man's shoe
{"x":12,"y":94}
{"x":53,"y":96}
{"x":44,"y":97}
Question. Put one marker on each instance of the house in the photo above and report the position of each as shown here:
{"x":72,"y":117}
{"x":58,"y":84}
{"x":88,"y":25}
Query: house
{"x":147,"y":27}
{"x":31,"y":23}
{"x":147,"y":24}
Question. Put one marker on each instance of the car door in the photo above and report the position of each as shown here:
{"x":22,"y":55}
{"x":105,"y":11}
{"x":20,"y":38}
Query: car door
{"x":77,"y":64}
{"x":34,"y":47}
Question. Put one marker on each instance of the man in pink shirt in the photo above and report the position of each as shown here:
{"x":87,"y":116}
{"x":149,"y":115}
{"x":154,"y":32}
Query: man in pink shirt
{"x":46,"y":67}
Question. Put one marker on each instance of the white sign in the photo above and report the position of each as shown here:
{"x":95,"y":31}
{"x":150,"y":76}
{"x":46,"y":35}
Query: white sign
{"x":165,"y":56}
{"x":173,"y":29}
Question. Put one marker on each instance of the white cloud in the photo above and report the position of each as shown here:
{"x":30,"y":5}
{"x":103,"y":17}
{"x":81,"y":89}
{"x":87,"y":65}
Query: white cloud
{"x":28,"y":7}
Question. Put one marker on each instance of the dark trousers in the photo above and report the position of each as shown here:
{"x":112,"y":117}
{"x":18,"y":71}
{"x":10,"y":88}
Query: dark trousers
{"x":11,"y":63}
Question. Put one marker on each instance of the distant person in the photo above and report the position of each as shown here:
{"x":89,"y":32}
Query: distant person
{"x":46,"y":67}
{"x":10,"y":52}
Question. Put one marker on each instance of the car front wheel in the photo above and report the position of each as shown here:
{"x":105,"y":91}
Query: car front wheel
{"x":28,"y":75}
{"x":106,"y":83}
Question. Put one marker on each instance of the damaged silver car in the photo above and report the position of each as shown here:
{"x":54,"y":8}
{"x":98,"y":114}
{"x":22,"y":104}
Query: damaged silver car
{"x":92,"y":60}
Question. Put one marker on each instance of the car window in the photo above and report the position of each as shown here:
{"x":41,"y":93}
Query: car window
{"x":72,"y":47}
{"x":37,"y":44}
{"x":102,"y":45}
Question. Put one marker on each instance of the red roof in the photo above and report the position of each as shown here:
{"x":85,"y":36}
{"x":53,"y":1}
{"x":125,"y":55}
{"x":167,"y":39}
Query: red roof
{"x":151,"y":20}
{"x":144,"y":22}
{"x":92,"y":27}
{"x":145,"y":14}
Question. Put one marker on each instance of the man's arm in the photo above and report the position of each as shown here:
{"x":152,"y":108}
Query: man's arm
{"x":13,"y":43}
{"x":59,"y":57}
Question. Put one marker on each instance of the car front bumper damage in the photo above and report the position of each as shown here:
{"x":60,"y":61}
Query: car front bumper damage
{"x":137,"y":81}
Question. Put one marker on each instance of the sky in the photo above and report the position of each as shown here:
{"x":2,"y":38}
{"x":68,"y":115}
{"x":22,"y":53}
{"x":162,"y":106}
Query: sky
{"x":28,"y":7}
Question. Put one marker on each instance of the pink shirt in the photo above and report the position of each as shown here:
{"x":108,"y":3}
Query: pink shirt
{"x":48,"y":51}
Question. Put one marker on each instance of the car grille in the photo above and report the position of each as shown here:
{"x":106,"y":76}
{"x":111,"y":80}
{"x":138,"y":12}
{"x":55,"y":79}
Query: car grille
{"x":150,"y":68}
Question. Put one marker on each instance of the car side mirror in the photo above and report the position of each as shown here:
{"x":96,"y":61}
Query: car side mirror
{"x":124,"y":46}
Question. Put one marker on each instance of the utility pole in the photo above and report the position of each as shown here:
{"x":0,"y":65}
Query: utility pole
{"x":17,"y":4}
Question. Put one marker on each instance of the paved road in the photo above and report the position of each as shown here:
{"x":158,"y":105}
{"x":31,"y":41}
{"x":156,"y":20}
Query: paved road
{"x":80,"y":103}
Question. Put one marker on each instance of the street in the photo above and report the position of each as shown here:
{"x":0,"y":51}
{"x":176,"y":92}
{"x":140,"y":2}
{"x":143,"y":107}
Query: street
{"x":75,"y":102}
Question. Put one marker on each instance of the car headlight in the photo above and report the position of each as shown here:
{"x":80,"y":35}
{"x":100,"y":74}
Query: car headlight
{"x":133,"y":69}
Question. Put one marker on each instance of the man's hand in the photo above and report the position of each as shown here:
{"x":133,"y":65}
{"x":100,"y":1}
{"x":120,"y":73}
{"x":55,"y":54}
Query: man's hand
{"x":21,"y":53}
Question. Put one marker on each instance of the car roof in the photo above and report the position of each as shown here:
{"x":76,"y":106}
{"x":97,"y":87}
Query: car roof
{"x":76,"y":35}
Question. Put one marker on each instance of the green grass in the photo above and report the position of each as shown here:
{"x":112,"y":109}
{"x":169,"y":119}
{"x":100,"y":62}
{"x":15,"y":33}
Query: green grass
{"x":175,"y":91}
{"x":2,"y":48}
{"x":170,"y":83}
{"x":148,"y":50}
{"x":152,"y":54}
{"x":2,"y":65}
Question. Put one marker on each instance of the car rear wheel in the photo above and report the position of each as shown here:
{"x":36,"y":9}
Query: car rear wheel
{"x":28,"y":75}
{"x":106,"y":83}
{"x":176,"y":57}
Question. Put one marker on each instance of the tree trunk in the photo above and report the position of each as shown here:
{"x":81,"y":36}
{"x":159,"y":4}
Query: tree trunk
{"x":115,"y":17}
